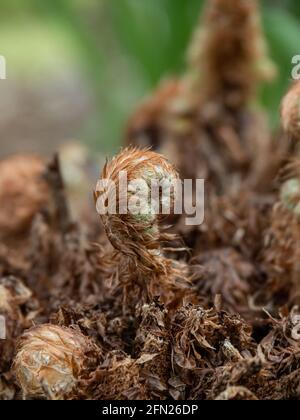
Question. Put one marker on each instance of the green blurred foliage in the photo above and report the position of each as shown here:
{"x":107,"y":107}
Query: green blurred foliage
{"x":155,"y":32}
{"x":123,"y":48}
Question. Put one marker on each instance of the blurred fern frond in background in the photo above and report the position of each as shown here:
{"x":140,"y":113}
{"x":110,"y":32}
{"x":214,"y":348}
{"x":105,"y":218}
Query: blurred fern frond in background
{"x":120,"y":49}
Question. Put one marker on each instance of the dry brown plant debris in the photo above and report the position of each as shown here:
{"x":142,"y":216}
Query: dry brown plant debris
{"x":121,"y":312}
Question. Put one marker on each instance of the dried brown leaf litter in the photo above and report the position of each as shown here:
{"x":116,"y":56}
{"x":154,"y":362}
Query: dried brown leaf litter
{"x":127,"y":308}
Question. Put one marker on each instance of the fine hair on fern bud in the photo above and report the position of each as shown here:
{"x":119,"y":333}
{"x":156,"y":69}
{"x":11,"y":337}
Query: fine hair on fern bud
{"x":144,"y":271}
{"x":136,"y":203}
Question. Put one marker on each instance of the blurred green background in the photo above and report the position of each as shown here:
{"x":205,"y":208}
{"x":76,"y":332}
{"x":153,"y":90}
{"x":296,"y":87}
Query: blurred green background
{"x":77,"y":68}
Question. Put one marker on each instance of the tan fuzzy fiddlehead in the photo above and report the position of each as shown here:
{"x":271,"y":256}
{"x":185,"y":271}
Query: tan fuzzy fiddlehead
{"x":137,"y":237}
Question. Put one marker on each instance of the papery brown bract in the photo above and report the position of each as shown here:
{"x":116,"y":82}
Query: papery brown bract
{"x":271,"y":374}
{"x":203,"y":340}
{"x":152,"y":348}
{"x":104,"y":323}
{"x":118,"y":378}
{"x":245,"y":373}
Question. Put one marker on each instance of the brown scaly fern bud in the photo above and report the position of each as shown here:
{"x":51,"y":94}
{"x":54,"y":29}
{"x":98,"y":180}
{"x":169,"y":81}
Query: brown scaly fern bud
{"x":23,"y":192}
{"x":18,"y":309}
{"x":54,"y":362}
{"x":290,"y":112}
{"x":136,"y":234}
{"x":228,"y":55}
{"x":137,"y":237}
